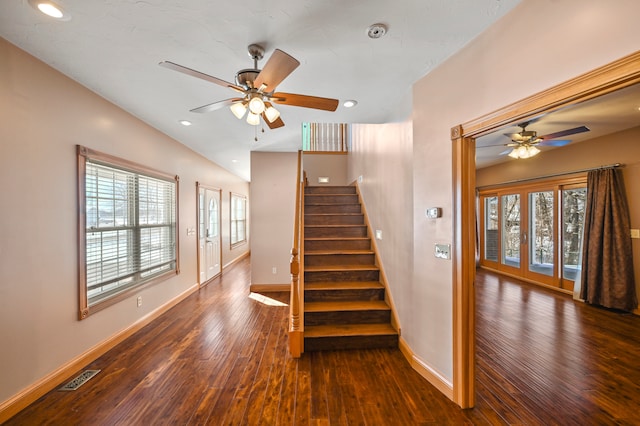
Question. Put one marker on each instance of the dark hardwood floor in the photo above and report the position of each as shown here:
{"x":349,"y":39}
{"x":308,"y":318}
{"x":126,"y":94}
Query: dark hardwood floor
{"x":220,"y":357}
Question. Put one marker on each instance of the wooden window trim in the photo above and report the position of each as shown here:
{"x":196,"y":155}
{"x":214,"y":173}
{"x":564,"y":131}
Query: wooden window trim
{"x":85,"y":154}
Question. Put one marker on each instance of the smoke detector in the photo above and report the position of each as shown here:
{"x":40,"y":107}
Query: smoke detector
{"x":376,"y":30}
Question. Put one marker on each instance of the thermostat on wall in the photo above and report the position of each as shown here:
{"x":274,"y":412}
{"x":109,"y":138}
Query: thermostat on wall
{"x":434,"y":212}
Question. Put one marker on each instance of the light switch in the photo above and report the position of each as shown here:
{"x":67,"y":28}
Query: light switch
{"x":635,"y":233}
{"x":443,"y":251}
{"x":378,"y":234}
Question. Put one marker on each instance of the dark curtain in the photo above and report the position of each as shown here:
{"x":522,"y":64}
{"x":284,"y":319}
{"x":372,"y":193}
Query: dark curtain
{"x":607,"y":261}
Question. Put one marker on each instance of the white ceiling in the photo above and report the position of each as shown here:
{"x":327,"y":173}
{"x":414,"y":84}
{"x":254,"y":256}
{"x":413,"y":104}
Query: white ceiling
{"x":113,"y":47}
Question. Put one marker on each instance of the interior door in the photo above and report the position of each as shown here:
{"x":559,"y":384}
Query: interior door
{"x":209,"y":235}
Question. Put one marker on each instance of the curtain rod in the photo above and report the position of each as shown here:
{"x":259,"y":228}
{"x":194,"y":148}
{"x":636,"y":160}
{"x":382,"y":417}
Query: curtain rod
{"x":609,"y":166}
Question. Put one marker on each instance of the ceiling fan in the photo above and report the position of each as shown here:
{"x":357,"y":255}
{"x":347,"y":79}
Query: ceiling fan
{"x":256,"y":89}
{"x":524,"y":143}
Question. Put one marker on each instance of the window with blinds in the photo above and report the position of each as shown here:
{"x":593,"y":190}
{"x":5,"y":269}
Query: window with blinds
{"x":128,"y":229}
{"x":238,"y":219}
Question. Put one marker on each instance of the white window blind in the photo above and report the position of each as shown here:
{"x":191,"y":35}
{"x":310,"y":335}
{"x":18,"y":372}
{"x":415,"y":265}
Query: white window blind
{"x":238,"y":219}
{"x":129,"y":230}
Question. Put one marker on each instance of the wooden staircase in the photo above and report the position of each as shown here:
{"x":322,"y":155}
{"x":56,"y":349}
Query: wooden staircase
{"x":344,"y":300}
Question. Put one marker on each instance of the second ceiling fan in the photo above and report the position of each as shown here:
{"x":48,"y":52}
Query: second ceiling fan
{"x":524,"y":143}
{"x":256,"y":89}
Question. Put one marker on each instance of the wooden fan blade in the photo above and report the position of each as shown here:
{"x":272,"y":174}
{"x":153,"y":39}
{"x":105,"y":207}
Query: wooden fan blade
{"x":216,"y":105}
{"x":326,"y":104}
{"x":198,"y":74}
{"x":276,"y":123}
{"x":277,"y":68}
{"x":580,"y":129}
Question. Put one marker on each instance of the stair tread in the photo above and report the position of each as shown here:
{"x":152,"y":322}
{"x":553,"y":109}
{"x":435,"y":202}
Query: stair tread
{"x":330,"y":268}
{"x":340,"y":306}
{"x":327,"y":251}
{"x":343,"y":285}
{"x":334,"y":214}
{"x":336,"y":238}
{"x":348,"y":225}
{"x":348,"y":330}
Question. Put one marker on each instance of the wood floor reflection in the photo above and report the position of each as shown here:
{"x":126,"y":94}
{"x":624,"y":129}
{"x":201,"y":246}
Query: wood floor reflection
{"x":220,"y":357}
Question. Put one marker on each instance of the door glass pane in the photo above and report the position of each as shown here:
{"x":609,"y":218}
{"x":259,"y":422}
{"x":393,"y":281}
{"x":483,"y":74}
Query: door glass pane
{"x":491,"y":228}
{"x":572,"y":229}
{"x":202,"y":229}
{"x":511,"y":230}
{"x":541,"y":254}
{"x":213,"y":218}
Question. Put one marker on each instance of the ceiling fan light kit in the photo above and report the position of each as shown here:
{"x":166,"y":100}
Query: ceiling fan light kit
{"x":524,"y":151}
{"x":258,"y":89}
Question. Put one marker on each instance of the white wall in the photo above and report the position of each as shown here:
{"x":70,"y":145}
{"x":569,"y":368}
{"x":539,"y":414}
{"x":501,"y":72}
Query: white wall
{"x":44,"y":115}
{"x":273,"y":199}
{"x":539,"y":44}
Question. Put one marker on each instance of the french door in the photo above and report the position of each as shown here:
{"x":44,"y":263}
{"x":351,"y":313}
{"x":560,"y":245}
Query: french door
{"x":534,"y":232}
{"x":209,"y":235}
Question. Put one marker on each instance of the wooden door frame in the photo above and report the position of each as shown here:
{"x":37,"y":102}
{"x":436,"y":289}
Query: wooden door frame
{"x":617,"y":75}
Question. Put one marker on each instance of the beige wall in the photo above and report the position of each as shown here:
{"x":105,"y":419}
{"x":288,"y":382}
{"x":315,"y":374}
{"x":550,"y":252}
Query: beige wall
{"x":508,"y":62}
{"x":333,"y":166}
{"x":381,"y":154}
{"x":273,"y":198}
{"x":622,"y":147}
{"x":43,"y":116}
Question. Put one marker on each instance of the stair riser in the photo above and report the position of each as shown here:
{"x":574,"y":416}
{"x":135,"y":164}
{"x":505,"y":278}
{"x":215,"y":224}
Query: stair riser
{"x":337,"y":245}
{"x":317,"y":276}
{"x":333,"y":208}
{"x":335,"y":232}
{"x":312,"y":344}
{"x":331,"y":199}
{"x":346,"y":317}
{"x":334,"y":219}
{"x":338,"y":259}
{"x":330,"y":190}
{"x":343,"y":295}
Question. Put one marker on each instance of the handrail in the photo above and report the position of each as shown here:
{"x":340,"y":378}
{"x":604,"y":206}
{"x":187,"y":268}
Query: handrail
{"x":296,"y":323}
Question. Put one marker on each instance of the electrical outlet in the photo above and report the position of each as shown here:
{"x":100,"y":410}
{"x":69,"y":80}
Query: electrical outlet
{"x":274,"y":270}
{"x":139,"y":301}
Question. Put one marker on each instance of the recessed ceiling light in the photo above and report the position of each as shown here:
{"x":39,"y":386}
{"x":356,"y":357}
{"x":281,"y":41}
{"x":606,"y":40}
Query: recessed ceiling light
{"x":185,"y":122}
{"x":234,"y":161}
{"x":350,"y":103}
{"x":51,"y":9}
